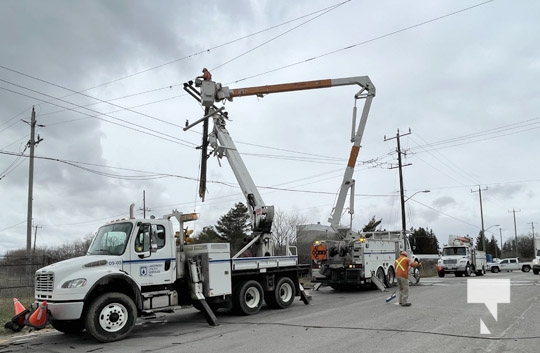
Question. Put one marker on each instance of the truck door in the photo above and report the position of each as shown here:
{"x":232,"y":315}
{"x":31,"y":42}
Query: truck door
{"x":513,"y":265}
{"x":152,"y":259}
{"x":504,"y":265}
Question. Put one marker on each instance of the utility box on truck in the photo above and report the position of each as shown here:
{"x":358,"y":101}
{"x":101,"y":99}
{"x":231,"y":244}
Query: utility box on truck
{"x":359,"y":259}
{"x":215,"y":267}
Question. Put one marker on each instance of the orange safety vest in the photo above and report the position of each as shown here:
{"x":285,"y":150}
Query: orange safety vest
{"x":402,"y":266}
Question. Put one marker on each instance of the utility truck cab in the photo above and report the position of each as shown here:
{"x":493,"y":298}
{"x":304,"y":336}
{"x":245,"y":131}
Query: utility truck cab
{"x":136,"y":267}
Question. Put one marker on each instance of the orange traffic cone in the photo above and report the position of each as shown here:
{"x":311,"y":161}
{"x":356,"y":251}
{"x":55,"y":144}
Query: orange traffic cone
{"x":17,"y":323}
{"x":19,"y":308}
{"x":38,"y":318}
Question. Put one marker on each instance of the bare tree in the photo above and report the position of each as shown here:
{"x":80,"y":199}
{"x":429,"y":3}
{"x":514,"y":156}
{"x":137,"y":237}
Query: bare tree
{"x":284,"y":229}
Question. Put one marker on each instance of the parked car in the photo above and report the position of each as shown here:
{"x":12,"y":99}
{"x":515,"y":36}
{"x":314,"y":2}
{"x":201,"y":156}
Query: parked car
{"x":509,"y":264}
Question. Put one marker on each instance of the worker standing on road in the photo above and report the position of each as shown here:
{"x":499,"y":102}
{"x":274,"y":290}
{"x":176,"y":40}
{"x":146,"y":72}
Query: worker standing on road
{"x":207,"y":76}
{"x":402,"y":265}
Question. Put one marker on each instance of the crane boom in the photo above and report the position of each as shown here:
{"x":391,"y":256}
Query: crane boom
{"x":262,"y":215}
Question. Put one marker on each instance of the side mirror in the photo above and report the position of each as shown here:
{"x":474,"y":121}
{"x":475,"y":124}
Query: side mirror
{"x":142,"y":241}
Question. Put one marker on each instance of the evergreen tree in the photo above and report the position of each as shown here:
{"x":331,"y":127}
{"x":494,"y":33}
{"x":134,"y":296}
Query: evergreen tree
{"x":208,"y":235}
{"x":372,"y":225}
{"x":424,"y":242}
{"x":234,"y":227}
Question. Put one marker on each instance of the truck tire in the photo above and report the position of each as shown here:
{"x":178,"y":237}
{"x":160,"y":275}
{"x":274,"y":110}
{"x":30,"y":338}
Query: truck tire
{"x":248,"y":297}
{"x":526,"y":269}
{"x":381,"y":276}
{"x":68,"y":326}
{"x":481,"y":272}
{"x":416,"y":276}
{"x":283,"y":295}
{"x":494,"y":269}
{"x":111,"y":317}
{"x":441,"y":273}
{"x":536,"y":272}
{"x":468,"y":270}
{"x":391,"y":278}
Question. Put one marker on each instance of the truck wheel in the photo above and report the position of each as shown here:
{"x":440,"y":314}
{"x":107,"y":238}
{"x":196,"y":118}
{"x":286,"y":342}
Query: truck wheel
{"x":416,"y":276}
{"x":481,"y":272}
{"x":111,"y":317}
{"x":282,"y":296}
{"x":494,"y":269}
{"x":441,"y":273}
{"x":526,"y":269}
{"x":248,"y":297}
{"x":68,"y":326}
{"x":391,"y":279}
{"x":381,"y":276}
{"x":468,"y":271}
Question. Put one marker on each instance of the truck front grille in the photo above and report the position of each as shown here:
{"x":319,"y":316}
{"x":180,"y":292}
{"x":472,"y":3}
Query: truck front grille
{"x":450,"y":262}
{"x":44,"y":282}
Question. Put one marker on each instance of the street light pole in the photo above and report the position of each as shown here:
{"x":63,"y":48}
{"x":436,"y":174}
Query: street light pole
{"x":484,"y":235}
{"x":500,"y":233}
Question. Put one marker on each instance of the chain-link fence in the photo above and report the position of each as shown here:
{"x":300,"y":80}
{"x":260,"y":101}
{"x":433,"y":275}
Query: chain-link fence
{"x":17,"y":274}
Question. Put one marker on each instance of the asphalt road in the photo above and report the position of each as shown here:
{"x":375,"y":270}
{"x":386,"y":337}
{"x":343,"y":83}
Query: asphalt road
{"x":439,"y":320}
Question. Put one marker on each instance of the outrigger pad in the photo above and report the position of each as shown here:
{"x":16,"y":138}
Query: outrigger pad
{"x":304,"y":296}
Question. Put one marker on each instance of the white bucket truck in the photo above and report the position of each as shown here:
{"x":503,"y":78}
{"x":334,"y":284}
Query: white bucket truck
{"x":461,"y":258}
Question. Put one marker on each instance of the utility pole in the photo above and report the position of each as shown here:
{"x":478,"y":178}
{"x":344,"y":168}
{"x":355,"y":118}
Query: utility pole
{"x":515,"y":228}
{"x":532,"y":225}
{"x":482,"y":217}
{"x":32,"y":144}
{"x":35,"y":239}
{"x":144,"y":208}
{"x":400,"y":166}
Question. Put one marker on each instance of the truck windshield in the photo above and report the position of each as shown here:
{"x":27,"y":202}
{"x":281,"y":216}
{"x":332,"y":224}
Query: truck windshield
{"x":454,"y":251}
{"x":111,"y":239}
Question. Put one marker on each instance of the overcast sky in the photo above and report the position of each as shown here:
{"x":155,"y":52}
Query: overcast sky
{"x":105,"y":79}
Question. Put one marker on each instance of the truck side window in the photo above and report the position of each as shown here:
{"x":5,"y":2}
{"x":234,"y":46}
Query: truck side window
{"x":160,"y":236}
{"x":142,"y":240}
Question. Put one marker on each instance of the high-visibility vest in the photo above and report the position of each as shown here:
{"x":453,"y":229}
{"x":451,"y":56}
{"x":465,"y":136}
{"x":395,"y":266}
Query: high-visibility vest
{"x":402,"y":266}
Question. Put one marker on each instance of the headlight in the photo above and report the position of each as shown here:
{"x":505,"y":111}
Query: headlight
{"x":74,"y":283}
{"x":462,"y":261}
{"x":440,"y":261}
{"x":535,"y":261}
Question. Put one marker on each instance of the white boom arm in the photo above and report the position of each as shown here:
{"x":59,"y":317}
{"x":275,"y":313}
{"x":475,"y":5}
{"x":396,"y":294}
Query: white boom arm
{"x":262,"y":215}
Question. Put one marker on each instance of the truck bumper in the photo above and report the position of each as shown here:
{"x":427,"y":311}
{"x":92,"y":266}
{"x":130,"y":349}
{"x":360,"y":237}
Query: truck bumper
{"x":536,"y":267}
{"x":63,"y":311}
{"x":449,"y":269}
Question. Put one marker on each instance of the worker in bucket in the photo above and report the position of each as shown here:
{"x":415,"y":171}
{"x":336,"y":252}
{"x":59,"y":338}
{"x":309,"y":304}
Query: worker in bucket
{"x":207,"y":76}
{"x":402,"y":265}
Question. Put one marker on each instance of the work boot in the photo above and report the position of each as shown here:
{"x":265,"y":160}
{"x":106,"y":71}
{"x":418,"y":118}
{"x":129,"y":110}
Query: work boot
{"x":405,"y":304}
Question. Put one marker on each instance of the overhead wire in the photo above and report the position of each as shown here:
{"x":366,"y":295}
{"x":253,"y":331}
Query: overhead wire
{"x":343,"y":48}
{"x":142,"y":129}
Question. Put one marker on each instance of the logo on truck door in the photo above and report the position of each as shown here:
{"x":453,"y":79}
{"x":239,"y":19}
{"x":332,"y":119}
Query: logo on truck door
{"x":143,"y":271}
